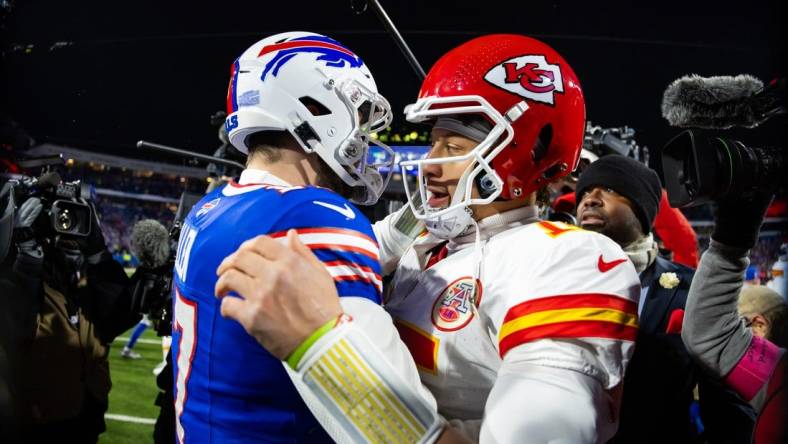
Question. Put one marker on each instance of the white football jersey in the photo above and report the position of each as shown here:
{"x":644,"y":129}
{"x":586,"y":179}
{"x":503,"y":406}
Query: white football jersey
{"x":567,"y":296}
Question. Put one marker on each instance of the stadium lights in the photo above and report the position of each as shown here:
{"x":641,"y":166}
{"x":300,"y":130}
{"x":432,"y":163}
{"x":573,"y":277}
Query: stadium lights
{"x":412,"y":136}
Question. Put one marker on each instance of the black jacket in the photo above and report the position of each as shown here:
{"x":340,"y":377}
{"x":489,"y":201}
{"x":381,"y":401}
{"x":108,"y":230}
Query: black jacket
{"x":66,"y":379}
{"x":19,"y":284}
{"x":660,"y":379}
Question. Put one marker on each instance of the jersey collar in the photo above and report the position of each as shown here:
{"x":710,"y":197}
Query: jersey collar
{"x":255,"y":176}
{"x":492,"y":225}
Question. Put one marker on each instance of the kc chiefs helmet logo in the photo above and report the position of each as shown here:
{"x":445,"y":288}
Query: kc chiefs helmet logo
{"x":528,"y":76}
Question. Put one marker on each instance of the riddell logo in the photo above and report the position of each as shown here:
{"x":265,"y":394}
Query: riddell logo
{"x":529,"y":76}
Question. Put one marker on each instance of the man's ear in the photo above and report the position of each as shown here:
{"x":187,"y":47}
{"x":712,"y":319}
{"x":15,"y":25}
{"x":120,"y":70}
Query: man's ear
{"x":760,"y":326}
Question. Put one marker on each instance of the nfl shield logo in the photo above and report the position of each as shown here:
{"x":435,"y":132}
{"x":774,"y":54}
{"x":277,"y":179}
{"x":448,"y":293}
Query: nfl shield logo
{"x":208,"y":206}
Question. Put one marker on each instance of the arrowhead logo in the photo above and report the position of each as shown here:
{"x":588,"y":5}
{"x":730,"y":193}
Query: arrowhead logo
{"x":530,"y":77}
{"x":345,"y":211}
{"x":604,"y":267}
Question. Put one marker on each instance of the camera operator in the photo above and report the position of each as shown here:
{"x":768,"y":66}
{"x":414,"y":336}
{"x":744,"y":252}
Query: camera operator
{"x":85,"y":303}
{"x":20,"y":266}
{"x":150,"y":242}
{"x":714,"y":333}
{"x":741,"y":180}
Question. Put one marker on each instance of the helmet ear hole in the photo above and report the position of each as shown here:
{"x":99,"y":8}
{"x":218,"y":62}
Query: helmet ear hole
{"x":314,"y":107}
{"x":542,"y":143}
{"x":485,"y":184}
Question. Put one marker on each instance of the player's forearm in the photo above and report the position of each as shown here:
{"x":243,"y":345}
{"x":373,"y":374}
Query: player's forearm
{"x":395,"y":233}
{"x":541,"y":401}
{"x":363,"y":390}
{"x":540,"y":395}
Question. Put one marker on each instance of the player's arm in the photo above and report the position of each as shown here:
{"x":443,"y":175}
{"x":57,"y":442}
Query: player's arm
{"x":359,"y":394}
{"x":565,"y":346}
{"x":352,"y":370}
{"x":552,"y":404}
{"x":289,"y":282}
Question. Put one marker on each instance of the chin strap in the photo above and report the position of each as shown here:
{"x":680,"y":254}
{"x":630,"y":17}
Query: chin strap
{"x":478,"y":256}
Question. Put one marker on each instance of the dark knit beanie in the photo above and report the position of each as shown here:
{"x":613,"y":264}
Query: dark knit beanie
{"x":629,"y":178}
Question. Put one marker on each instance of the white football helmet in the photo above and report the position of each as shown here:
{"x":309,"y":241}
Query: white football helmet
{"x":320,"y":92}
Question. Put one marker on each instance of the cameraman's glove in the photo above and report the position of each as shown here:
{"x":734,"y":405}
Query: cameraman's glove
{"x":23,"y":228}
{"x":738,"y":220}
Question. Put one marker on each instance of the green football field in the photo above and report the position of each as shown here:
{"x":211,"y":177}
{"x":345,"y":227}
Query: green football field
{"x":131,"y":410}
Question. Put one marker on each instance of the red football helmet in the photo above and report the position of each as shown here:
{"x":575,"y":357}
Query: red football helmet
{"x":533,"y":101}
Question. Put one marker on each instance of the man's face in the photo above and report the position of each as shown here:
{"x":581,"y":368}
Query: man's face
{"x":603,"y":210}
{"x":442,"y":179}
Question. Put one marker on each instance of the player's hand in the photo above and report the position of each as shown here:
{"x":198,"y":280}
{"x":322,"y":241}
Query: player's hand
{"x":286,"y":292}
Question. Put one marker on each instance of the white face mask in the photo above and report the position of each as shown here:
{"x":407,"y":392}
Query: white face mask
{"x":449,"y":224}
{"x":455,"y":219}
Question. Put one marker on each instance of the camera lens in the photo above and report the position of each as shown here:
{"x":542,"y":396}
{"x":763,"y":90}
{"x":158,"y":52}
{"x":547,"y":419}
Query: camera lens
{"x":64,"y":220}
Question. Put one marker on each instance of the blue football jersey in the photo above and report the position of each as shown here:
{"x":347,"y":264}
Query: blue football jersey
{"x":228,"y":388}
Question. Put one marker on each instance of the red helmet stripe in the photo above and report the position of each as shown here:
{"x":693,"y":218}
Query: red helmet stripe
{"x":302,"y":44}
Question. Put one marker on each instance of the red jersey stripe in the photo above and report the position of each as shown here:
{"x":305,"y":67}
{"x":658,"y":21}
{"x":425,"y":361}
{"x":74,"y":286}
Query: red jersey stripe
{"x":571,"y":329}
{"x":583,"y":300}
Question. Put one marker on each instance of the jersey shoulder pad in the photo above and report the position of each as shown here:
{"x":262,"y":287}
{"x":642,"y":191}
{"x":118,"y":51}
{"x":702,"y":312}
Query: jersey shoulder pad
{"x":340,"y":236}
{"x":314,"y":207}
{"x":566,"y":283}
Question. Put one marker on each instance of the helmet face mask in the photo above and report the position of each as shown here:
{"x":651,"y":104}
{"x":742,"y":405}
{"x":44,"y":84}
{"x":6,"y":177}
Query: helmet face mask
{"x":533,"y":100}
{"x":322,"y":94}
{"x":370,"y":113}
{"x":451,"y":221}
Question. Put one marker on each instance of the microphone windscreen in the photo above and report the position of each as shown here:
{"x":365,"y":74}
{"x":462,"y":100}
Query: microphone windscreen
{"x":711,"y":102}
{"x":150,"y":242}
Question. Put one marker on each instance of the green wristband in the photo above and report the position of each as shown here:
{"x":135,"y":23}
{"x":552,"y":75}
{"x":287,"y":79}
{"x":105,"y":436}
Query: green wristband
{"x":299,"y":352}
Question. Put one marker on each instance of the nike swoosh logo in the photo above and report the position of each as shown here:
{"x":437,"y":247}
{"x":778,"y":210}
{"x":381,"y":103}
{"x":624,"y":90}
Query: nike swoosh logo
{"x":345,"y":211}
{"x":604,"y":267}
